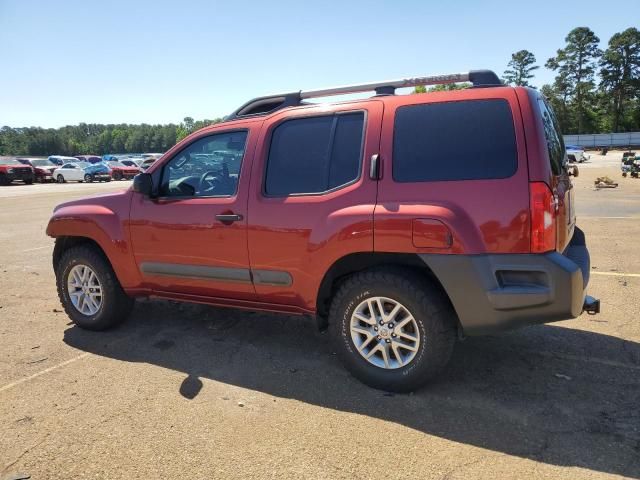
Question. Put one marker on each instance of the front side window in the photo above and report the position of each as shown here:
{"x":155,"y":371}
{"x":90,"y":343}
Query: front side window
{"x":555,"y":142}
{"x":464,"y":140}
{"x":209,"y":167}
{"x":314,"y":154}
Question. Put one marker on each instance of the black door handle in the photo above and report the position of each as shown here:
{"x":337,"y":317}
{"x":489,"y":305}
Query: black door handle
{"x":228,"y":218}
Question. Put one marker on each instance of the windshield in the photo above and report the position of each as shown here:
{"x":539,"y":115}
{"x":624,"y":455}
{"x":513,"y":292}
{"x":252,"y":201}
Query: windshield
{"x":9,"y":161}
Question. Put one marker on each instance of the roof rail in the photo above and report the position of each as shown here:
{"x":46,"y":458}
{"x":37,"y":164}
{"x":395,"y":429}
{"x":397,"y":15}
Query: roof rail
{"x":271,"y":103}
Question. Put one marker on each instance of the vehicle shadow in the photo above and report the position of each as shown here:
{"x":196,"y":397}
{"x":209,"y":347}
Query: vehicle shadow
{"x":547,"y":393}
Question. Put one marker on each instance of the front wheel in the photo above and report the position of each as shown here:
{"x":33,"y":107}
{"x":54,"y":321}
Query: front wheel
{"x":89,"y":290}
{"x":60,"y":179}
{"x":29,"y":181}
{"x":117,"y":176}
{"x":392,"y":329}
{"x":88,"y":178}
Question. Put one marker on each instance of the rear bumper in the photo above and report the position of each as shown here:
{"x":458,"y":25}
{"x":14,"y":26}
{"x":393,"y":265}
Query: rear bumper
{"x":495,"y":292}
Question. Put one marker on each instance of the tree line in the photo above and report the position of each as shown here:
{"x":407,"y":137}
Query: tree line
{"x":594,"y":91}
{"x":92,"y":138}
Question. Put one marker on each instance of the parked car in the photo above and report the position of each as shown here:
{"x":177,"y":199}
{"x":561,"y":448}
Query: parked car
{"x":130,"y":162}
{"x":61,"y":159}
{"x":82,"y":172}
{"x":120,"y":171}
{"x":147,"y":163}
{"x":354,"y":213}
{"x":11,"y":170}
{"x":42,"y":168}
{"x":89,"y":158}
{"x":576,"y":154}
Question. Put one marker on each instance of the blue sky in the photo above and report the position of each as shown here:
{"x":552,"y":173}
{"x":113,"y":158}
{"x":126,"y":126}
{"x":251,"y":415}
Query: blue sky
{"x":65,"y":61}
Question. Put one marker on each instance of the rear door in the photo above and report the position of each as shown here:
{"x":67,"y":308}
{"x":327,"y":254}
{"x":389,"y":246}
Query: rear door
{"x":454,"y":177}
{"x":311,"y":199}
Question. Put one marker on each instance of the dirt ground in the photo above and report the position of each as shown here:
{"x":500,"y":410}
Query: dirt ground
{"x":185,"y":391}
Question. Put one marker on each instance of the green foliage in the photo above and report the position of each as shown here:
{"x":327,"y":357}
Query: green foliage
{"x":441,"y":88}
{"x":96,"y":138}
{"x":620,"y":80}
{"x":520,"y":68}
{"x":575,"y":83}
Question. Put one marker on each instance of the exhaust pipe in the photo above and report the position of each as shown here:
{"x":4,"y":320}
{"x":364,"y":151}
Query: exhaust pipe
{"x":591,"y":305}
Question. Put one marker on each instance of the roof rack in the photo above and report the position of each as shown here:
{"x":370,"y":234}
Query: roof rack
{"x":271,"y":103}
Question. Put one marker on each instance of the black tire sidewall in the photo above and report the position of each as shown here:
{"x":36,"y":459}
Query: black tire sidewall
{"x":436,"y":339}
{"x":115,"y":306}
{"x":86,"y":321}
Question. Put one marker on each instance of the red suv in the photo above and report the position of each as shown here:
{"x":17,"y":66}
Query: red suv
{"x":399,"y":221}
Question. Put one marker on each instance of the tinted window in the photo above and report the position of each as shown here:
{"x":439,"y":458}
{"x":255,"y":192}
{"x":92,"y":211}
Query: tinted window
{"x":209,"y":167}
{"x":314,"y":155}
{"x":555,"y":142}
{"x":466,"y":140}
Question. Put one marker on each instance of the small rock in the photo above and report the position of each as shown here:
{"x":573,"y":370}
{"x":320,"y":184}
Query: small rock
{"x":241,"y":404}
{"x":55,"y":310}
{"x":562,"y":376}
{"x":293,"y":370}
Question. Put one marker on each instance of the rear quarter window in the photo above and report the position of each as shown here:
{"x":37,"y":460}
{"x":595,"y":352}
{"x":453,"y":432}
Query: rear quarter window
{"x":465,"y":140}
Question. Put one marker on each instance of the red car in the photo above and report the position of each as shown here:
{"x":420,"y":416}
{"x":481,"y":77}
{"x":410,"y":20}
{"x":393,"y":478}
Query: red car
{"x":11,"y":169}
{"x":42,"y":168}
{"x":401,"y":222}
{"x":120,"y":171}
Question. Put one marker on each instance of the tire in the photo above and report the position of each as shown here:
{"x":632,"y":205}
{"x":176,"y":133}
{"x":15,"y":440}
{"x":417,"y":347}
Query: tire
{"x":117,"y":176}
{"x":115,"y":305}
{"x":29,"y":182}
{"x":624,"y":174}
{"x":435,"y":321}
{"x":60,"y":179}
{"x":88,"y":178}
{"x":4,"y":180}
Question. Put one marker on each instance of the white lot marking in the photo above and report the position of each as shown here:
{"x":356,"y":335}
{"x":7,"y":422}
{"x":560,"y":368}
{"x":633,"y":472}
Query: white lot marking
{"x":616,"y":274}
{"x":33,"y":249}
{"x":604,"y":218}
{"x":42,"y":372}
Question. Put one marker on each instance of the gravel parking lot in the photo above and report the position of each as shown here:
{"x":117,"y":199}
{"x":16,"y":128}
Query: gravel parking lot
{"x":189,"y":391}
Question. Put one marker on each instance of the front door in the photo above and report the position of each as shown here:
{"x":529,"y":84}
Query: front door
{"x":191,"y":238}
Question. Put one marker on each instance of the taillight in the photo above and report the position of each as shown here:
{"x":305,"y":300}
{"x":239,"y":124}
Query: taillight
{"x":543,"y":218}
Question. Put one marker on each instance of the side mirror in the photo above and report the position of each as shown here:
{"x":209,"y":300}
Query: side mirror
{"x":143,"y":184}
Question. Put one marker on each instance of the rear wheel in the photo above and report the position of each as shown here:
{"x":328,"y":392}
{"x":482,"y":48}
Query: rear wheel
{"x":117,"y":176}
{"x":4,"y":180}
{"x":88,"y":178}
{"x":60,"y":179}
{"x":392,"y":329}
{"x":29,"y":181}
{"x":89,"y":290}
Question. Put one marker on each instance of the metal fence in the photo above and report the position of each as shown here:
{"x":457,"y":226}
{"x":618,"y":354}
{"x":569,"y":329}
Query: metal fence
{"x":630,"y":139}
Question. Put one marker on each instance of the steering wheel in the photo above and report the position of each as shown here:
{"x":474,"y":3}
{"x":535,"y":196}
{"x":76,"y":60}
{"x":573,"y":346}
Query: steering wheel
{"x":209,"y":180}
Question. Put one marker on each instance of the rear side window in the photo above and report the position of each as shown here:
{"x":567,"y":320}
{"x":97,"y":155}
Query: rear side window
{"x":315,"y":154}
{"x":555,"y":142}
{"x":467,"y":140}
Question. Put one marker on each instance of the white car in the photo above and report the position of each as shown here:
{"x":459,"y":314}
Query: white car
{"x":576,"y":154}
{"x":81,"y":172}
